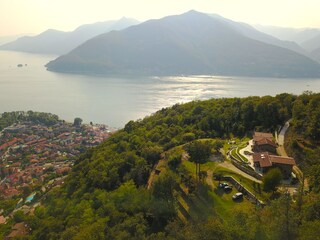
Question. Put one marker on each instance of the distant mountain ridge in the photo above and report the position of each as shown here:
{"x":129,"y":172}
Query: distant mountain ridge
{"x":251,"y":32}
{"x":191,"y":43}
{"x":298,"y":35}
{"x":312,"y":44}
{"x":59,"y":42}
{"x":10,"y":38}
{"x":307,"y":38}
{"x":316,"y":54}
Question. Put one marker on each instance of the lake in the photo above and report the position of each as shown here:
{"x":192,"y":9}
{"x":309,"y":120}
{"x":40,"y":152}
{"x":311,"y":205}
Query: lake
{"x":116,"y":100}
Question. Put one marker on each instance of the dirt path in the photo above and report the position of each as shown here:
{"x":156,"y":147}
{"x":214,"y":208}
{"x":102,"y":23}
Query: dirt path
{"x":209,"y":178}
{"x":153,"y":174}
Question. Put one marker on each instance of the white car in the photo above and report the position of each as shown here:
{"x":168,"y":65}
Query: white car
{"x":238,"y":195}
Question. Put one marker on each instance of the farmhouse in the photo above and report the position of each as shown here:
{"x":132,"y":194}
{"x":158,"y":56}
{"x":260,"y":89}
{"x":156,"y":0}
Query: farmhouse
{"x":264,"y":161}
{"x":263,"y":142}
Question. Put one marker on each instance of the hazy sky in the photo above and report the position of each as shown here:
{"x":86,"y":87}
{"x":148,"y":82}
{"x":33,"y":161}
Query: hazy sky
{"x":35,"y":16}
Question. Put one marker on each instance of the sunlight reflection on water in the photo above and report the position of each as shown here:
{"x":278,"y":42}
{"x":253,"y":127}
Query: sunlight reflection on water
{"x":116,"y":100}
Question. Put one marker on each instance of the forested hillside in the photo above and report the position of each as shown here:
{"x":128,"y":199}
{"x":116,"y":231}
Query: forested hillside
{"x":8,"y":118}
{"x":105,"y":196}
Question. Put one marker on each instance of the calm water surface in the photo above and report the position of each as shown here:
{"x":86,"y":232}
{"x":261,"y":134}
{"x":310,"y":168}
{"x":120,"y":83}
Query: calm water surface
{"x":116,"y":100}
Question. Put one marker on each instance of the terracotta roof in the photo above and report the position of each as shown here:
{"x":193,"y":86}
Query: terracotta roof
{"x":257,"y":136}
{"x":263,"y":159}
{"x":18,"y":230}
{"x":266,"y":141}
{"x":282,"y":160}
{"x":2,"y":220}
{"x":267,"y":160}
{"x":262,"y":134}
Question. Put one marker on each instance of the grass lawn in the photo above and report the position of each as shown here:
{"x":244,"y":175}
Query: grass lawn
{"x":247,"y":183}
{"x":243,"y":158}
{"x":191,"y":167}
{"x":223,"y":203}
{"x":234,"y":154}
{"x":208,"y":201}
{"x":211,"y":200}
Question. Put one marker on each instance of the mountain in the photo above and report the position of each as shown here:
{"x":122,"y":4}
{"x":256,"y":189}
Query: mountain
{"x":316,"y":54}
{"x":7,"y":39}
{"x":250,"y":32}
{"x":59,"y":42}
{"x":298,"y":35}
{"x":312,"y":44}
{"x":191,"y":43}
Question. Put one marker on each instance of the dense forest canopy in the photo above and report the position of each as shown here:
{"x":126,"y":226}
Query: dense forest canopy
{"x":105,"y":195}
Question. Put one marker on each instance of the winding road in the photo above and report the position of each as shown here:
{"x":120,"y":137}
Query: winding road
{"x":280,"y":139}
{"x":282,"y":151}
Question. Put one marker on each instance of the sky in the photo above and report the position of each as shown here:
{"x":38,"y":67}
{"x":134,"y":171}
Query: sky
{"x":35,"y":16}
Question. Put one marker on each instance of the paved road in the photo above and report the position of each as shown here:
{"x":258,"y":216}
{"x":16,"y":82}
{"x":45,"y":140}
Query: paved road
{"x":230,"y":166}
{"x":282,"y":152}
{"x":248,"y":148}
{"x":282,"y":133}
{"x":280,"y":140}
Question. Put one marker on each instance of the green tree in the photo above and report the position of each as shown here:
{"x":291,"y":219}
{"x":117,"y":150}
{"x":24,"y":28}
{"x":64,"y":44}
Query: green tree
{"x":271,"y":180}
{"x":199,"y":152}
{"x":163,"y":204}
{"x":282,"y":219}
{"x":152,"y":154}
{"x":309,"y":230}
{"x":163,"y":187}
{"x":18,"y":216}
{"x":77,"y":122}
{"x":314,"y":178}
{"x":217,"y":145}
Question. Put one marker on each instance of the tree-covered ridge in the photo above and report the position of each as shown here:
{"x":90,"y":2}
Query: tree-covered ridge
{"x":130,"y":153}
{"x":8,"y":118}
{"x":304,"y":135}
{"x":306,"y":115}
{"x":105,"y":196}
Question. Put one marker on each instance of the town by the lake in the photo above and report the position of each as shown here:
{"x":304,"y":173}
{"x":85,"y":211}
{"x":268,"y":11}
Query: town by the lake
{"x":35,"y":157}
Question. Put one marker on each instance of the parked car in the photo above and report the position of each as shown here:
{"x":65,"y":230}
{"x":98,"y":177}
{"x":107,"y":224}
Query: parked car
{"x":227,"y":188}
{"x":223,"y":185}
{"x":237,"y":196}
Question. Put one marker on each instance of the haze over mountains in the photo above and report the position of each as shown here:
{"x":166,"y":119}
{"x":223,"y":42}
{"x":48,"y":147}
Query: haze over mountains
{"x":298,"y":35}
{"x":250,"y":32}
{"x":191,"y":43}
{"x":307,"y":38}
{"x":59,"y":42}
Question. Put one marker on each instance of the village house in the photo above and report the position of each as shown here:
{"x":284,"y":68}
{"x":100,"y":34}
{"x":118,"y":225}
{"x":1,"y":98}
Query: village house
{"x":18,"y":230}
{"x":63,"y":170}
{"x":3,"y":220}
{"x":265,"y":161}
{"x":263,"y":142}
{"x":14,"y":128}
{"x":25,"y":151}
